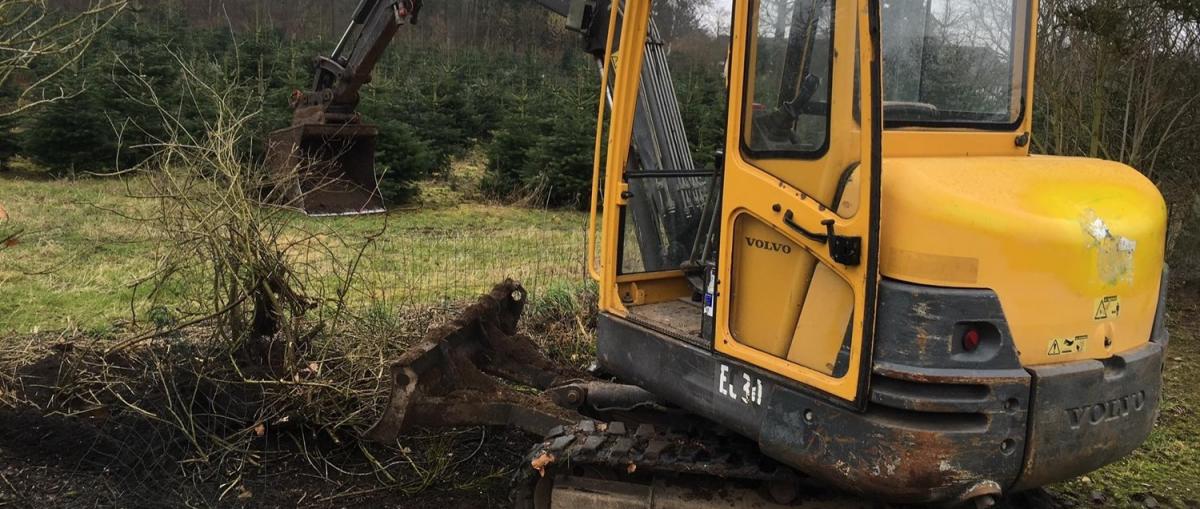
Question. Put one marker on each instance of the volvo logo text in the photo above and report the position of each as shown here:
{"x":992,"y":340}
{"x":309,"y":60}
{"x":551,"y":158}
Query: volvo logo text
{"x":1105,"y":411}
{"x":769,"y":246}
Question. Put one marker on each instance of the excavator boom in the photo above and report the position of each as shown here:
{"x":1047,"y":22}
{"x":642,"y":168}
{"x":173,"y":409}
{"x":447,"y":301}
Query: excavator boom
{"x":340,"y":76}
{"x":324,"y":164}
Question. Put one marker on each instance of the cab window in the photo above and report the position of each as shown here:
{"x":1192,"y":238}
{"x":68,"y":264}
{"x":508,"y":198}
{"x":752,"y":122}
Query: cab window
{"x":789,"y":79}
{"x":954,"y":62}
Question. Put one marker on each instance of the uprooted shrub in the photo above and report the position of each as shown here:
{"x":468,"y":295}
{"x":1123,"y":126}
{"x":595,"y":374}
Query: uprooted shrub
{"x":216,"y":237}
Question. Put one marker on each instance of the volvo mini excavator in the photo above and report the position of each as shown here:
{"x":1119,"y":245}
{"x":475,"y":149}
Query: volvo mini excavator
{"x":874,"y":287}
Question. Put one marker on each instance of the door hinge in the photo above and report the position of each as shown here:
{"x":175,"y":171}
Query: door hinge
{"x":844,"y":250}
{"x":624,"y":195}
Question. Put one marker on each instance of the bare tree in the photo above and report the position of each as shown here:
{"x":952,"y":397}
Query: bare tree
{"x":1116,"y":79}
{"x":39,"y":43}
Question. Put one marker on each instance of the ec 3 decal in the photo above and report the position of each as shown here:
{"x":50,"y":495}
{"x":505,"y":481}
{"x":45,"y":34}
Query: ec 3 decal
{"x":750,"y":392}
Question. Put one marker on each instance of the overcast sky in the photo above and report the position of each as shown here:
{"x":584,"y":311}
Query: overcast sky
{"x":716,"y":15}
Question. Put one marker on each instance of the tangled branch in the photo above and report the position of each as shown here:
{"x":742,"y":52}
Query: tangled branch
{"x":39,"y":45}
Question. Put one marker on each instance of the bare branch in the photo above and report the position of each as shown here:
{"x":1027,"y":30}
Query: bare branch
{"x":30,"y":37}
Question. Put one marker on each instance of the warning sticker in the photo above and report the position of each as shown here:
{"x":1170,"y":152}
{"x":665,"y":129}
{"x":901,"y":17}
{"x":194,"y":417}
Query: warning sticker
{"x":1064,"y":346}
{"x":1107,"y":308}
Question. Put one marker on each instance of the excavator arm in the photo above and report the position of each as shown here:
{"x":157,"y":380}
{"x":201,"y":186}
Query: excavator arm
{"x":324,"y":162}
{"x":338,"y":77}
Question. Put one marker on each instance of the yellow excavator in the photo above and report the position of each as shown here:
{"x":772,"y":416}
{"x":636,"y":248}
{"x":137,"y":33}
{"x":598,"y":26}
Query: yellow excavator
{"x":876,"y":286}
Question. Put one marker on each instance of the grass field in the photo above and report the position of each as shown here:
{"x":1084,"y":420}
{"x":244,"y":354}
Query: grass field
{"x":83,"y":248}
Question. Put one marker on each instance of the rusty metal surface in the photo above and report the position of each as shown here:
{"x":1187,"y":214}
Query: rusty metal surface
{"x":450,"y":377}
{"x":700,"y":449}
{"x":942,"y":424}
{"x":572,"y":492}
{"x":920,"y":326}
{"x":618,"y":464}
{"x":604,"y":397}
{"x":892,"y":454}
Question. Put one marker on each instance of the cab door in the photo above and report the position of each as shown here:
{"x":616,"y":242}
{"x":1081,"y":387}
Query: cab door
{"x":800,"y":217}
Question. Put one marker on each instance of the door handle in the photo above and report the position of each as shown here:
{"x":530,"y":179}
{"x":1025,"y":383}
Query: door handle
{"x":844,"y":250}
{"x":790,"y":219}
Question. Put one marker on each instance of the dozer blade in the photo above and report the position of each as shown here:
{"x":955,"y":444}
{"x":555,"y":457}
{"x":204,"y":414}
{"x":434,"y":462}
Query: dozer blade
{"x":324,"y":169}
{"x":449,"y":378}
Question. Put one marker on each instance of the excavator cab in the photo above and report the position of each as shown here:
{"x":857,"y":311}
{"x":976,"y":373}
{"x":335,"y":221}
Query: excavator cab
{"x":877,"y":282}
{"x":769,"y":256}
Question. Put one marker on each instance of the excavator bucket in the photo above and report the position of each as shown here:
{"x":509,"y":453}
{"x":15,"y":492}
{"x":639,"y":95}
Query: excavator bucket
{"x":325,"y":169}
{"x":453,"y":376}
{"x":478,"y":370}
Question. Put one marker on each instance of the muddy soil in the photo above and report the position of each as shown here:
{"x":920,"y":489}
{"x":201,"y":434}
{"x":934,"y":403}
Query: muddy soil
{"x":58,"y":461}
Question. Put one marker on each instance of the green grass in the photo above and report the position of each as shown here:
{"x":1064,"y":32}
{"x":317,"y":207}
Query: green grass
{"x":75,"y":258}
{"x":81,"y":252}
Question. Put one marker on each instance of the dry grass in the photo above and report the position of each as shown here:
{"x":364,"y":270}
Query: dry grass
{"x":73,"y":265}
{"x":80,"y":253}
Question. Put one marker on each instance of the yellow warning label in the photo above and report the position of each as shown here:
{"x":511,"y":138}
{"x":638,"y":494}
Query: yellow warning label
{"x":1064,"y":346}
{"x":1107,"y":308}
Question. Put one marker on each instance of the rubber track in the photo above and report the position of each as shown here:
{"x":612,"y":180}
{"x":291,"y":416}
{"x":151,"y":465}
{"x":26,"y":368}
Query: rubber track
{"x":659,"y":450}
{"x":646,"y":450}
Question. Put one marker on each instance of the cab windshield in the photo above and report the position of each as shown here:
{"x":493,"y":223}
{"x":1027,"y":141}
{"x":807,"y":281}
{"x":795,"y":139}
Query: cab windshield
{"x":954,"y":62}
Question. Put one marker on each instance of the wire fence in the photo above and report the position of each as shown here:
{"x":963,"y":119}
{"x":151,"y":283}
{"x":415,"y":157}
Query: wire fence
{"x":416,"y":268}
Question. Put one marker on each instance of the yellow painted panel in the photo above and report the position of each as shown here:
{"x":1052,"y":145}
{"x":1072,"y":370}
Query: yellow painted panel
{"x":652,"y":291}
{"x":821,"y":329}
{"x":770,"y":279}
{"x":954,"y":270}
{"x":1052,"y":236}
{"x":847,"y":206}
{"x":950,"y":143}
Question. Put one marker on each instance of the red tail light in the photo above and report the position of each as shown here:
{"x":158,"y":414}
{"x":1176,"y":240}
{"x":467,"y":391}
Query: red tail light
{"x":970,"y":339}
